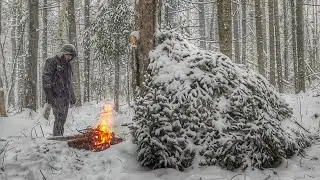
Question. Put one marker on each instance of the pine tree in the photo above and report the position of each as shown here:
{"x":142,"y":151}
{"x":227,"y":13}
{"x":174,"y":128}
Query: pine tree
{"x":199,"y":103}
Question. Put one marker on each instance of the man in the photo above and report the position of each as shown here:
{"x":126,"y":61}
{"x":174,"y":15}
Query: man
{"x":57,"y":85}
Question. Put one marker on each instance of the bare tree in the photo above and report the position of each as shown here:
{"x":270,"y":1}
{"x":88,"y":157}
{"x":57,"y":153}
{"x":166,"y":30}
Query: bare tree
{"x":202,"y":25}
{"x":236,"y":34}
{"x":244,"y":30}
{"x":285,"y":39}
{"x":278,"y":55}
{"x":259,"y":35}
{"x":3,"y":111}
{"x":86,"y":51}
{"x":72,"y":35}
{"x":294,"y":46}
{"x":225,"y":27}
{"x":45,"y":46}
{"x":271,"y":44}
{"x":14,"y":49}
{"x":32,"y":58}
{"x":300,"y":46}
{"x":21,"y":21}
{"x":147,"y":26}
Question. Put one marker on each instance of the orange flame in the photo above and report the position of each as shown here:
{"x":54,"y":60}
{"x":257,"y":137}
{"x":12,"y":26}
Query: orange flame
{"x":104,"y":126}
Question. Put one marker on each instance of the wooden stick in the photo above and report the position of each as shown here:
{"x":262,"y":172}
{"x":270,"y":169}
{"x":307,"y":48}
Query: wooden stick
{"x":65,"y":138}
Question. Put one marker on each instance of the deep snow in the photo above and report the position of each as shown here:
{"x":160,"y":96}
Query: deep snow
{"x":26,"y":154}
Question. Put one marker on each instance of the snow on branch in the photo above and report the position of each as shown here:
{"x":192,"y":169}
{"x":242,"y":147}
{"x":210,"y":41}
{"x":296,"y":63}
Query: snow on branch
{"x":202,"y":109}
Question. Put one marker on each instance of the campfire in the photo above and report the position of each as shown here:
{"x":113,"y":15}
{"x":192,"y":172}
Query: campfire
{"x":94,"y":139}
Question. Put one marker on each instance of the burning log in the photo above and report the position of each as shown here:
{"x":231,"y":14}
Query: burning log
{"x":89,"y":139}
{"x":94,"y":139}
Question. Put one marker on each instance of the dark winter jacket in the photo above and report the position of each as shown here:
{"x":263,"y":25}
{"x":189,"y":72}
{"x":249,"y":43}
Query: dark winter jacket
{"x":57,"y":79}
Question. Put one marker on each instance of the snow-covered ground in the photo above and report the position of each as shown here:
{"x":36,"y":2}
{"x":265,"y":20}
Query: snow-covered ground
{"x":26,"y":154}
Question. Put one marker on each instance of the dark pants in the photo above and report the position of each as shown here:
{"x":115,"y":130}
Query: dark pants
{"x":60,"y":113}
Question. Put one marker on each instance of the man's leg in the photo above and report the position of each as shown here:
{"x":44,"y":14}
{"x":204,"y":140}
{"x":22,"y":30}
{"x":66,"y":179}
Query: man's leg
{"x":60,"y":113}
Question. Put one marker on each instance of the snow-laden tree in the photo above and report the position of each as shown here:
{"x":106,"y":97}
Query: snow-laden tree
{"x":202,"y":109}
{"x":110,"y":33}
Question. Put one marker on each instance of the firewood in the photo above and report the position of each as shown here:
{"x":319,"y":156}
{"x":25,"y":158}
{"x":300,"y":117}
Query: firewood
{"x":88,"y":140}
{"x":80,"y":143}
{"x":65,"y":138}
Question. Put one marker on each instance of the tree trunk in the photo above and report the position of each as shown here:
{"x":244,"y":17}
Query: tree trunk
{"x":244,"y":31}
{"x":11,"y":99}
{"x":264,"y":31}
{"x":45,"y":49}
{"x":285,"y":38}
{"x":147,"y":16}
{"x":236,"y":33}
{"x":3,"y":112}
{"x":278,"y":54}
{"x":128,"y":82}
{"x":202,"y":25}
{"x":259,"y":35}
{"x":21,"y":68}
{"x":225,"y":27}
{"x":300,"y":46}
{"x":62,"y":22}
{"x":73,"y":40}
{"x":212,"y":28}
{"x":32,"y":58}
{"x":294,"y":46}
{"x":117,"y":80}
{"x":86,"y":51}
{"x":271,"y":44}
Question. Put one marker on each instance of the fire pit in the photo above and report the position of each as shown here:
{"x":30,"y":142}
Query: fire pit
{"x":94,"y":139}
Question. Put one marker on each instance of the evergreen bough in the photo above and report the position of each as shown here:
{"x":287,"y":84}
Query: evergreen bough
{"x":200,"y":108}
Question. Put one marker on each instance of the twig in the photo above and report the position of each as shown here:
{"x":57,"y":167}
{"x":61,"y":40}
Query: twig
{"x":127,"y":124}
{"x":34,"y":131}
{"x":41,"y":130}
{"x":70,"y":128}
{"x":38,"y":124}
{"x":53,"y":167}
{"x":266,"y":178}
{"x":119,"y":160}
{"x":4,"y":147}
{"x":4,"y":150}
{"x":23,"y":134}
{"x":301,"y":126}
{"x":43,"y":175}
{"x":235,"y":176}
{"x":308,"y":175}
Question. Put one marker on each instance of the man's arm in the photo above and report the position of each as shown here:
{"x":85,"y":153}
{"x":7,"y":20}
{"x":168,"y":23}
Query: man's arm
{"x":47,"y":75}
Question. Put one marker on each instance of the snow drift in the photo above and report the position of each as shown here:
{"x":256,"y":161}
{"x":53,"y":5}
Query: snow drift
{"x":202,"y":109}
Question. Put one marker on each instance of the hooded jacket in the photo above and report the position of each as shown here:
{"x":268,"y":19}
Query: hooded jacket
{"x":57,"y":78}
